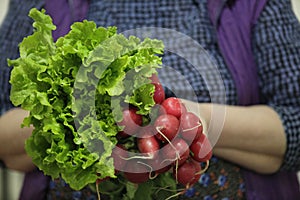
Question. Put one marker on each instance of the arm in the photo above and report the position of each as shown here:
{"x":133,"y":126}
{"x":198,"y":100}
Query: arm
{"x":265,"y":138}
{"x":252,"y":137}
{"x":12,"y":138}
{"x":276,"y":44}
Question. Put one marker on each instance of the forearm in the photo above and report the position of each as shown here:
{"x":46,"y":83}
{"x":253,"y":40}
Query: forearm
{"x":254,"y":128}
{"x":251,"y":136}
{"x":259,"y":162}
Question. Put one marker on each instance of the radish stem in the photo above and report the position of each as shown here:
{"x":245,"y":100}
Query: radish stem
{"x":139,"y":157}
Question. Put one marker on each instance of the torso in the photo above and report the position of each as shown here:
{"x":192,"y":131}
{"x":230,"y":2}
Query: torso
{"x":191,"y":19}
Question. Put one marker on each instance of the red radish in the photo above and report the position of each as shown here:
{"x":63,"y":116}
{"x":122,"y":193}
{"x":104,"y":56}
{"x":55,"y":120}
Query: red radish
{"x":167,"y":127}
{"x":185,"y":173}
{"x":119,"y":155}
{"x":156,"y":111}
{"x":174,"y":106}
{"x":136,"y":177}
{"x":122,"y":134}
{"x":183,"y":157}
{"x":154,"y":78}
{"x":148,"y":145}
{"x":157,"y":164}
{"x":131,"y":122}
{"x":201,"y":149}
{"x":159,"y":93}
{"x":136,"y":172}
{"x":146,"y":131}
{"x":176,"y":151}
{"x":188,"y":173}
{"x":191,"y":127}
{"x":197,"y":174}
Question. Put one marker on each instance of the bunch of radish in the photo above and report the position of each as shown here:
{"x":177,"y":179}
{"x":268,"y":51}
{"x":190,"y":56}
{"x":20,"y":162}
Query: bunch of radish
{"x":173,"y":141}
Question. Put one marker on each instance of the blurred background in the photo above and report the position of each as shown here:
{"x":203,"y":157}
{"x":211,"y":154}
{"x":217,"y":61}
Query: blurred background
{"x":11,"y":181}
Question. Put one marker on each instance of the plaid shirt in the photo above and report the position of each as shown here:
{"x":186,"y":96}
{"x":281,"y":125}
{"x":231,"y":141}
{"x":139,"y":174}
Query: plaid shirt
{"x":276,"y":44}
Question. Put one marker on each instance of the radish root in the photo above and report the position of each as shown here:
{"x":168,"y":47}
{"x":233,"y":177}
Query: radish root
{"x":205,"y":168}
{"x":190,"y":129}
{"x":98,"y":192}
{"x":175,"y":195}
{"x":151,"y":156}
{"x":151,"y":170}
{"x":169,"y":190}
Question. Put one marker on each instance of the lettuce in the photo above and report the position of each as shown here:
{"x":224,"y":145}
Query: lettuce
{"x":74,"y":89}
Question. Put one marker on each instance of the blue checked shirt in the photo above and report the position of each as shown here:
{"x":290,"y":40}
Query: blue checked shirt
{"x":276,"y":44}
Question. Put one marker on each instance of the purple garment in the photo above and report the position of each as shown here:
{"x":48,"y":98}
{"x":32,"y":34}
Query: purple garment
{"x":64,"y":13}
{"x":234,"y":22}
{"x":34,"y":186}
{"x":282,"y":185}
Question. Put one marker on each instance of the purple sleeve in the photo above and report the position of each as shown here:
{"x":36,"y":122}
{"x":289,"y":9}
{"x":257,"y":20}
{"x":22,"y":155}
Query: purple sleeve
{"x":64,"y":13}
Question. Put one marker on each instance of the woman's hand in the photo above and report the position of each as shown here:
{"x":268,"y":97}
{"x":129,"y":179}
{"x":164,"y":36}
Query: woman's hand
{"x":250,"y":136}
{"x":12,"y":138}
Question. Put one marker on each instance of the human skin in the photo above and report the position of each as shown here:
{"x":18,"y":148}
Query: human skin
{"x":12,"y":137}
{"x":251,"y":136}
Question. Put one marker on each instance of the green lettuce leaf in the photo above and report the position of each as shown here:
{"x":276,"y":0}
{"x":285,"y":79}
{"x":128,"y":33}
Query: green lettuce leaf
{"x":74,"y":89}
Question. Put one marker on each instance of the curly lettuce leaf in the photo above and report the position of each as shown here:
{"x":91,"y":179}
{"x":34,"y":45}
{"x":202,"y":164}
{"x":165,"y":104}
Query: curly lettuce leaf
{"x":74,"y":89}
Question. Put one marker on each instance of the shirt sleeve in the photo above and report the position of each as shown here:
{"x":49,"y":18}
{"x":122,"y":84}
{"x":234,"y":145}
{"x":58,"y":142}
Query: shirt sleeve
{"x":276,"y":44}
